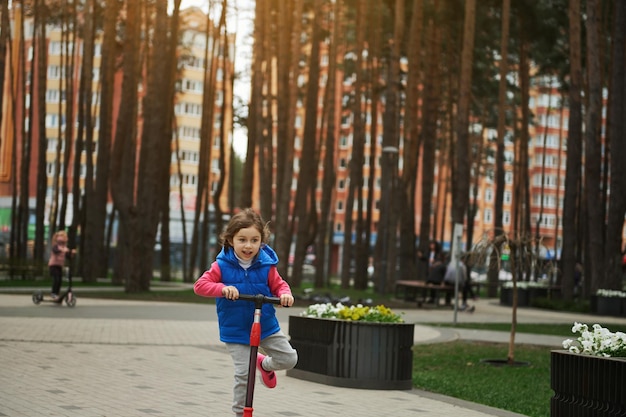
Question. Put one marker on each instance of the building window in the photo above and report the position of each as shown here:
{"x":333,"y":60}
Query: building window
{"x":188,"y":156}
{"x":53,"y":143}
{"x":55,"y":72}
{"x":547,"y":220}
{"x":192,"y":86}
{"x":189,"y":179}
{"x":50,"y":169}
{"x":191,"y":61}
{"x":489,"y":195}
{"x":55,"y":48}
{"x":188,"y":109}
{"x":189,"y":132}
{"x":487,"y":216}
{"x":489,"y":175}
{"x":52,"y":96}
{"x":52,"y":120}
{"x":506,"y":218}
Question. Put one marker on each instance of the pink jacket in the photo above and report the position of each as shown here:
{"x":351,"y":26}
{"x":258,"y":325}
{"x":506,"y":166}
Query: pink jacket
{"x":58,"y":255}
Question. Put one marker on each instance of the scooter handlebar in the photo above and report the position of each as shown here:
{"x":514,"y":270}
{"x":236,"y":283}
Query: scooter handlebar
{"x":260,"y":299}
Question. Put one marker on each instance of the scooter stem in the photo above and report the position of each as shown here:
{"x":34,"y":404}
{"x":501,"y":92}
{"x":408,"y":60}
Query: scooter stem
{"x":255,"y":341}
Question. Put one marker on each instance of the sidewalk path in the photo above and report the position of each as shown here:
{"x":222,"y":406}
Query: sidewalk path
{"x":128,"y":358}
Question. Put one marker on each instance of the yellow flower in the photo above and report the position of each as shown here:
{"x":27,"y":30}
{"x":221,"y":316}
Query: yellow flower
{"x":358,"y":312}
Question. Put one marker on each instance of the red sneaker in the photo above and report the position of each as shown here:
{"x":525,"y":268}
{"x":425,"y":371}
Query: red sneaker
{"x":269,"y":377}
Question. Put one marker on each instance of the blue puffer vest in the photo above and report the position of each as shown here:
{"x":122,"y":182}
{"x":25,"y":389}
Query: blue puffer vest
{"x":236,"y":317}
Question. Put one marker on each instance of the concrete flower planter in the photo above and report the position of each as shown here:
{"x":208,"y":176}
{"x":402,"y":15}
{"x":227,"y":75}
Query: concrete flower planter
{"x":506,"y":297}
{"x":353,"y":354}
{"x":525,"y":296}
{"x":586,"y":385}
{"x":608,"y":306}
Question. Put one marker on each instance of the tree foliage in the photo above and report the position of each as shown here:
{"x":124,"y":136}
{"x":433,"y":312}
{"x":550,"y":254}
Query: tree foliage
{"x":411,"y":88}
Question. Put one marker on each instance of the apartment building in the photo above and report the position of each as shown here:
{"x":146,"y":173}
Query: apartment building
{"x":547,"y":151}
{"x":188,"y":118}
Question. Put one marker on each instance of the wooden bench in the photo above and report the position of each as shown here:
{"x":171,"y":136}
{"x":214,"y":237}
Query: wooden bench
{"x":408,"y":290}
{"x":420,"y":291}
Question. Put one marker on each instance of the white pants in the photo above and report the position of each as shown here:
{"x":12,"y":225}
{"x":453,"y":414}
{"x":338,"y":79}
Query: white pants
{"x":280,"y":356}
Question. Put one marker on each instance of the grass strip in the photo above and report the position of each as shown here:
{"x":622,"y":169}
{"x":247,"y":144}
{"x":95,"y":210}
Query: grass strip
{"x":552,"y":329}
{"x":455,"y":369}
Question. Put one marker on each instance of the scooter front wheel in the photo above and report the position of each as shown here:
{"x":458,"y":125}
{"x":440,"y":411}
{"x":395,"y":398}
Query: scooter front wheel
{"x":37,"y":297}
{"x":70,"y":300}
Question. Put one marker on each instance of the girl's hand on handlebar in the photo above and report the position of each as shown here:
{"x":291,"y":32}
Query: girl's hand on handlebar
{"x":230,"y":293}
{"x":286,"y":300}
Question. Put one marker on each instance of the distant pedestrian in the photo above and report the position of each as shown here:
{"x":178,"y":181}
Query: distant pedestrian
{"x":578,"y":278}
{"x":436,"y":273}
{"x":454,"y":275}
{"x":463,"y":277}
{"x":433,"y":255}
{"x":58,"y":254}
{"x":468,"y":288}
{"x":247,"y":265}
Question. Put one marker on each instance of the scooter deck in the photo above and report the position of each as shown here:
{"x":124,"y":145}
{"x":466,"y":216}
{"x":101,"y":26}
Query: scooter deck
{"x":67,"y":297}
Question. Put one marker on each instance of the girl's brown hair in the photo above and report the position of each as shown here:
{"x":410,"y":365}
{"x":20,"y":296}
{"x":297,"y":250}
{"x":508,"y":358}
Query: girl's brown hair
{"x":57,"y":235}
{"x":242,"y":220}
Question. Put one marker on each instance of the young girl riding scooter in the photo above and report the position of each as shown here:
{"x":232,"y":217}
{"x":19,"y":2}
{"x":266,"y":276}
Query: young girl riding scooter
{"x":247,"y":265}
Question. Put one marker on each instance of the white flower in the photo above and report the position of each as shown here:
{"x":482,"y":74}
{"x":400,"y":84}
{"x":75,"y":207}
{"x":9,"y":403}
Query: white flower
{"x":326,"y":310}
{"x":522,"y":285}
{"x":611,"y":293}
{"x":599,"y":342}
{"x":356,"y":312}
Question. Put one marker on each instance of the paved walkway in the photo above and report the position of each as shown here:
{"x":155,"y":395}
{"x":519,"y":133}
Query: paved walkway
{"x":122,"y":358}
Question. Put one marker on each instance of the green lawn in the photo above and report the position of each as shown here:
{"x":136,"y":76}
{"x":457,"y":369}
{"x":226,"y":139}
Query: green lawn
{"x":564,"y":329}
{"x":455,"y":369}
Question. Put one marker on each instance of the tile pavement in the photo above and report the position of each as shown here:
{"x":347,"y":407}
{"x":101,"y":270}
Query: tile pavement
{"x":120,"y":358}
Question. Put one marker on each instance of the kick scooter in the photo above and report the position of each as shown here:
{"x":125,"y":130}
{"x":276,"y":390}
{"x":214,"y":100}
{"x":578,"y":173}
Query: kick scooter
{"x":67,"y":296}
{"x":255,"y":340}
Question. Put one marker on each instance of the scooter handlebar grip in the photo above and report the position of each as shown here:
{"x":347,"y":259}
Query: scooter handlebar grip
{"x":260,"y":298}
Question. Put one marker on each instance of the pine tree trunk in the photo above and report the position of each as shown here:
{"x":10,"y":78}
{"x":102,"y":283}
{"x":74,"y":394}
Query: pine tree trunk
{"x":493,"y":272}
{"x":460,"y":192}
{"x":617,"y":132}
{"x":574,"y":154}
{"x":593,"y":150}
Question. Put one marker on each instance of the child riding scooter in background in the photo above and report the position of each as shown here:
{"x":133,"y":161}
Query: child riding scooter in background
{"x":58,"y":254}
